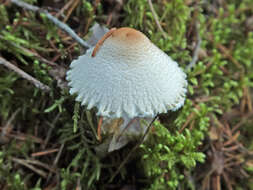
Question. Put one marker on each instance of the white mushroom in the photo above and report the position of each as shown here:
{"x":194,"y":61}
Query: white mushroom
{"x":127,"y":75}
{"x":129,"y":130}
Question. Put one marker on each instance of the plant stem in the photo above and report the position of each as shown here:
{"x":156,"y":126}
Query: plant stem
{"x":24,"y":75}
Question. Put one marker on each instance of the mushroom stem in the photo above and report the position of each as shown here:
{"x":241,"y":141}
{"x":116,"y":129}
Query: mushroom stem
{"x":99,"y":128}
{"x":127,"y":126}
{"x":101,"y":41}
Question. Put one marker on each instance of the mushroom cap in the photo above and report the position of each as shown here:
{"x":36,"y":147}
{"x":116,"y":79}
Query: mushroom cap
{"x":127,"y":76}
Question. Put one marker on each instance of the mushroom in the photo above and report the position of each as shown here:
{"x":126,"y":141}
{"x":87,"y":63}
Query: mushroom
{"x":126,"y":75}
{"x":124,"y":130}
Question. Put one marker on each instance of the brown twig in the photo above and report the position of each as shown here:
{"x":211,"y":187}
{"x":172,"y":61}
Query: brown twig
{"x":52,"y":126}
{"x":41,"y":164}
{"x":226,"y":178}
{"x":76,"y":2}
{"x":8,"y":126}
{"x":228,"y":55}
{"x":24,"y":75}
{"x":188,"y":120}
{"x":232,"y":139}
{"x":156,"y":19}
{"x":57,"y":22}
{"x":99,"y":128}
{"x":66,"y":6}
{"x":249,"y":101}
{"x":24,"y":163}
{"x":196,"y":49}
{"x":56,"y":160}
{"x":42,"y":153}
{"x":24,"y":137}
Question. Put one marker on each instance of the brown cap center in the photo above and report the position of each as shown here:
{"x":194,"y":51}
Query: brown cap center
{"x":124,"y":35}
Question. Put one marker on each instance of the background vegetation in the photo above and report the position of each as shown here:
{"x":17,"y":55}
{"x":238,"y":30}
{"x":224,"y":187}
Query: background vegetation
{"x":49,"y":142}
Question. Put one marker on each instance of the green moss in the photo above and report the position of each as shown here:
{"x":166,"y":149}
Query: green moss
{"x":215,"y":87}
{"x":164,"y":155}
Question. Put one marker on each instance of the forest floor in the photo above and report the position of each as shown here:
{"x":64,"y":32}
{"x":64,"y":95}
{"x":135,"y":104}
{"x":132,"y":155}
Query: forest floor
{"x":49,"y":141}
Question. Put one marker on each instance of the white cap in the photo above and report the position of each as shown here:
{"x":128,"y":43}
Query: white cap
{"x":127,"y":75}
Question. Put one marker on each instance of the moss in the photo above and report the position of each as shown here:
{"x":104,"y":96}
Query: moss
{"x":164,"y":155}
{"x":168,"y":159}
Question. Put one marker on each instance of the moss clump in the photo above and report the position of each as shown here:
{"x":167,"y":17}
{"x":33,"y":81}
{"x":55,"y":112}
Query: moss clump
{"x":33,"y":121}
{"x":165,"y":155}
